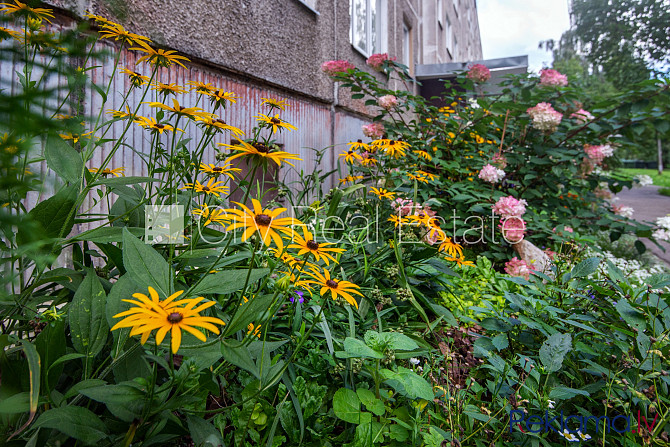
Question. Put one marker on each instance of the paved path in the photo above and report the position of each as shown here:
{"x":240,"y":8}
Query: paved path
{"x":648,"y":205}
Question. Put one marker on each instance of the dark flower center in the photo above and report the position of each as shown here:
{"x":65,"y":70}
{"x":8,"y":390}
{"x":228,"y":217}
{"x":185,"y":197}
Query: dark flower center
{"x":159,"y":126}
{"x":205,"y":188}
{"x":217,"y":169}
{"x":275,"y":121}
{"x":360,"y":141}
{"x":260,"y":147}
{"x":332,"y":284}
{"x":312,"y":245}
{"x":175,"y":317}
{"x":391,"y":142}
{"x":263,"y":220}
{"x":219,"y":121}
{"x":350,"y":152}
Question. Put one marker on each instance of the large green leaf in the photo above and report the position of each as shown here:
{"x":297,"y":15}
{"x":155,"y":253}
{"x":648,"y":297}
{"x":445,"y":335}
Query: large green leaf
{"x":88,"y":324}
{"x":53,"y":215}
{"x":248,"y":313}
{"x":347,"y":406}
{"x":50,"y":344}
{"x":107,"y":234}
{"x":239,"y":355}
{"x":355,"y":348}
{"x":631,"y":315}
{"x":553,"y":351}
{"x":203,"y":433}
{"x":122,"y":289}
{"x":227,"y":281}
{"x":370,"y":401}
{"x":63,"y":159}
{"x":77,"y":422}
{"x":145,"y":265}
{"x":585,"y":268}
{"x":113,"y":394}
{"x":409,"y":383}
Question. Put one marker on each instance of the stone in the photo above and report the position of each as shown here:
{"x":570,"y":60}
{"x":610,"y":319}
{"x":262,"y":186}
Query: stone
{"x":533,"y":256}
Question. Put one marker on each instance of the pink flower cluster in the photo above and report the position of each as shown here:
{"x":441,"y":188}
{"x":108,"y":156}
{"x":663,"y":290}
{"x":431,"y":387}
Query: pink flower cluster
{"x":491,"y":174}
{"x":603,"y":192}
{"x":510,"y":207}
{"x":479,"y":73}
{"x":582,"y":116}
{"x":596,"y":154}
{"x":405,"y":207}
{"x":551,"y":77}
{"x":331,"y":68}
{"x":499,"y":161}
{"x":518,"y":267}
{"x":623,"y":211}
{"x":377,"y":60}
{"x":373,"y":130}
{"x":387,"y":102}
{"x":545,"y":118}
{"x":513,"y":229}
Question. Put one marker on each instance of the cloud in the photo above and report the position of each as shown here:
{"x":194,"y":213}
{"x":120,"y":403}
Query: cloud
{"x":515,"y":27}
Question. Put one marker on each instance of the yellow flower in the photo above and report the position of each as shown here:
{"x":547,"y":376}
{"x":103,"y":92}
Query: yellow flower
{"x":74,"y":137}
{"x":22,"y":10}
{"x":216,"y":171}
{"x":264,"y":221}
{"x":368,"y":161}
{"x":351,"y":178}
{"x":275,"y":123}
{"x":211,"y":215}
{"x":122,"y":114}
{"x":6,"y":33}
{"x":397,"y":220}
{"x":260,"y":153}
{"x":423,"y":154}
{"x":428,"y":175}
{"x":343,"y":288}
{"x":136,"y":79}
{"x":99,"y":19}
{"x":418,"y":178}
{"x":116,"y":172}
{"x":167,"y":316}
{"x":275,"y":103}
{"x":217,"y":124}
{"x":255,"y":330}
{"x":350,"y":156}
{"x":359,"y":145}
{"x":382,"y":193}
{"x":451,"y":248}
{"x":117,"y":32}
{"x":177,"y":109}
{"x":392,"y":148}
{"x":150,"y":123}
{"x":307,"y":244}
{"x":201,"y":87}
{"x":167,"y":89}
{"x":221,"y":97}
{"x":161,"y":58}
{"x":211,"y":187}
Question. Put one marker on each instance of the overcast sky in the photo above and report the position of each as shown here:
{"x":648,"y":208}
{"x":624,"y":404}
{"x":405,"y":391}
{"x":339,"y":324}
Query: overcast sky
{"x":515,"y":27}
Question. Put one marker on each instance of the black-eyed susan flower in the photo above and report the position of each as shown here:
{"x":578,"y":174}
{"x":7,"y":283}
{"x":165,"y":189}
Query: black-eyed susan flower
{"x":274,"y":122}
{"x":221,"y":98}
{"x":19,"y":9}
{"x":418,"y":178}
{"x":116,"y":172}
{"x":169,"y":315}
{"x":350,"y":156}
{"x":99,"y":20}
{"x":6,"y":33}
{"x":254,"y":330}
{"x":368,"y":161}
{"x":216,"y":171}
{"x":398,"y":220}
{"x":122,"y":114}
{"x":260,"y":153}
{"x":451,"y":248}
{"x":217,"y":124}
{"x":211,"y":215}
{"x":275,"y":103}
{"x":360,"y":146}
{"x":266,"y":222}
{"x":320,"y":250}
{"x":351,"y":179}
{"x":117,"y":32}
{"x":168,"y":89}
{"x":153,"y":125}
{"x":459,"y":261}
{"x":75,"y":137}
{"x":178,"y":109}
{"x":291,"y":261}
{"x":136,"y":79}
{"x":201,"y":87}
{"x":161,"y":58}
{"x":382,"y":193}
{"x":428,"y":175}
{"x":392,"y":148}
{"x":423,"y":154}
{"x":345,"y":289}
{"x":212,"y":187}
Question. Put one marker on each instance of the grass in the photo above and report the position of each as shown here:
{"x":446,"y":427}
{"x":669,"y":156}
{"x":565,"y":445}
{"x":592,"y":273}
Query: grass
{"x":659,"y":180}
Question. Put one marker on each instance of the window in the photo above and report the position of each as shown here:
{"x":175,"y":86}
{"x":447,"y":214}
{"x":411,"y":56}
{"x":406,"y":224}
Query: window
{"x":407,"y":48}
{"x":457,"y":6}
{"x":449,"y":36}
{"x":368,"y":27}
{"x":440,"y":13}
{"x":311,"y":4}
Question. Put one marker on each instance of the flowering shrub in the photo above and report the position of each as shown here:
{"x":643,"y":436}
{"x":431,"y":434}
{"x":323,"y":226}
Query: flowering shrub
{"x":479,"y":73}
{"x":551,"y":77}
{"x":388,"y":102}
{"x":377,"y":61}
{"x":491,"y":174}
{"x":545,"y":118}
{"x":332,"y":68}
{"x":518,"y":267}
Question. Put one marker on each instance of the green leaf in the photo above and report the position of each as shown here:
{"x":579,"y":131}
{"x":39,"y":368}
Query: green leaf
{"x":16,"y":403}
{"x":631,"y":315}
{"x":553,"y":351}
{"x":408,"y":383}
{"x":113,"y":394}
{"x":368,"y":399}
{"x":248,"y":313}
{"x":563,"y":393}
{"x":88,"y":325}
{"x":239,"y":356}
{"x":203,"y":433}
{"x":227,"y":281}
{"x":145,"y":266}
{"x":118,"y":181}
{"x":63,"y":159}
{"x":53,"y":214}
{"x":34,"y":368}
{"x":107,"y":234}
{"x":347,"y":406}
{"x":585,"y":268}
{"x":355,"y":348}
{"x":76,"y":422}
{"x":500,"y":341}
{"x":495,"y":324}
{"x":122,"y":289}
{"x":399,"y":342}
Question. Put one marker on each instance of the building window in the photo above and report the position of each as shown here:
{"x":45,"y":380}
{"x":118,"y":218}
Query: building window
{"x":311,"y":4}
{"x":368,"y":27}
{"x":449,"y":36}
{"x":407,"y":48}
{"x":440,"y":13}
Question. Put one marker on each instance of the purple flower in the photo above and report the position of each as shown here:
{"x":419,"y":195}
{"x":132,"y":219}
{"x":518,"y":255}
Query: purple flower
{"x":299,"y":294}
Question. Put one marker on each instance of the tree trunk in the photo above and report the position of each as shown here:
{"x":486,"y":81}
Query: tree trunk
{"x":660,"y":153}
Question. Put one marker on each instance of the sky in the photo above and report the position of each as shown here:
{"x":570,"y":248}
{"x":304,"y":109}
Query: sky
{"x":515,"y":27}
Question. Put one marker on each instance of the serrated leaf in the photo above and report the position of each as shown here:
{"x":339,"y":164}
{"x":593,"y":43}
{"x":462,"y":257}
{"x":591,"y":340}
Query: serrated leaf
{"x":500,"y":341}
{"x":63,"y":159}
{"x":553,"y":351}
{"x":356,"y":348}
{"x":409,"y":383}
{"x":371,"y":402}
{"x":88,"y":323}
{"x":585,"y":268}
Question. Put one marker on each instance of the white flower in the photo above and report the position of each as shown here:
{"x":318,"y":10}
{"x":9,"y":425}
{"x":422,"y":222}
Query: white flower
{"x":663,"y":222}
{"x":550,"y":403}
{"x":414,"y":361}
{"x":661,"y":234}
{"x":569,"y":436}
{"x":585,"y":437}
{"x":607,"y":150}
{"x":642,"y":180}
